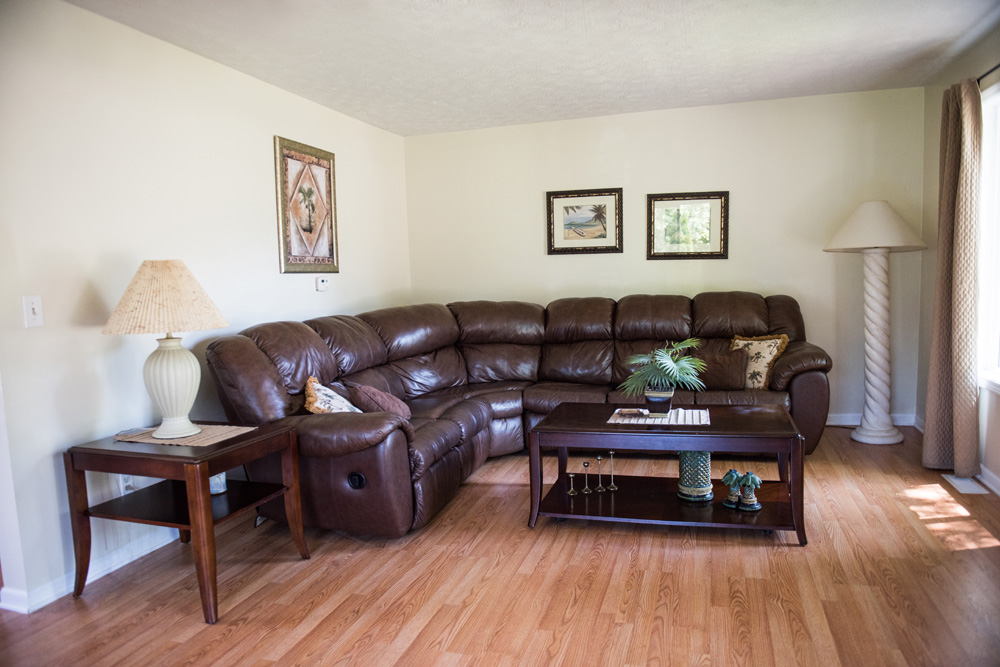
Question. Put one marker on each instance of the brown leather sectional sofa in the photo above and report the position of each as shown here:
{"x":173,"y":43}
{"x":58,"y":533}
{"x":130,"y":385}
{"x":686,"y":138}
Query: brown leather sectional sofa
{"x":476,"y":376}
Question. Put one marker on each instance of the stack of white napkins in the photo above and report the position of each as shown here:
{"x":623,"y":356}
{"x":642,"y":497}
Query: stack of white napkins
{"x":675,"y":416}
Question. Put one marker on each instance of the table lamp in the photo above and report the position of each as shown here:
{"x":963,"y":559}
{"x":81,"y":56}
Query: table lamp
{"x":875,"y":230}
{"x":164,"y":297}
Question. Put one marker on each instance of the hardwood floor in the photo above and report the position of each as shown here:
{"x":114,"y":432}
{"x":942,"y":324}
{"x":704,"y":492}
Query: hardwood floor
{"x":900,"y":569}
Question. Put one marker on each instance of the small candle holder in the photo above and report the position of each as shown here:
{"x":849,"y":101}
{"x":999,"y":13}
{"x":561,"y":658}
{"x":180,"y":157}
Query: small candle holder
{"x":600,"y":485}
{"x":611,"y":486}
{"x":586,"y":478}
{"x":572,"y":491}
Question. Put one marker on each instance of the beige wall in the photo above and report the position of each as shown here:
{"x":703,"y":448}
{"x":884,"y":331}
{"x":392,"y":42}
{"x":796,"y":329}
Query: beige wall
{"x":795,"y":169}
{"x":117,"y":147}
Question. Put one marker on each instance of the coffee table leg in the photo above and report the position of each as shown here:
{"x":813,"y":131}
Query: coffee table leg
{"x":76,"y":486}
{"x":534,"y":477}
{"x":796,"y":483}
{"x":293,"y":502}
{"x":203,"y":537}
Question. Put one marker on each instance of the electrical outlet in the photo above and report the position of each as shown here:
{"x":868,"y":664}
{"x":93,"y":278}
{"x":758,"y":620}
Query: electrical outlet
{"x":127,"y":483}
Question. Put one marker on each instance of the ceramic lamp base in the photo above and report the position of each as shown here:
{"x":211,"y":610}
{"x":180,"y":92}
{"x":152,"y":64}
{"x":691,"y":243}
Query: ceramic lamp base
{"x":172,"y":376}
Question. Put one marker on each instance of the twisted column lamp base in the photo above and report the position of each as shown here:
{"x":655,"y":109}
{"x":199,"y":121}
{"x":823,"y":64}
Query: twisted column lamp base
{"x":876,"y":423}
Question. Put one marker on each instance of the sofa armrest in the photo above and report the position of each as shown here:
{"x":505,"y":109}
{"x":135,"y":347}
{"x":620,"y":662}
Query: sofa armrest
{"x":798,"y":357}
{"x":337,"y":434}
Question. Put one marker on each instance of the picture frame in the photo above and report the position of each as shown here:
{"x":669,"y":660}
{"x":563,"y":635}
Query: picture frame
{"x":687,"y":225}
{"x":307,"y":208}
{"x":584,"y":221}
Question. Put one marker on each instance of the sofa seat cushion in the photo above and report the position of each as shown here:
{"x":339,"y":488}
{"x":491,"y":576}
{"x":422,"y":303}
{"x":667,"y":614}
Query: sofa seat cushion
{"x":545,"y":396}
{"x":471,"y":415}
{"x":504,"y":397}
{"x":432,"y":406}
{"x":743,"y":397}
{"x":504,"y":403}
{"x":432,"y":440}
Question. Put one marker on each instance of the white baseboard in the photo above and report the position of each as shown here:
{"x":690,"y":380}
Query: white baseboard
{"x":25,"y":602}
{"x":14,"y":599}
{"x":990,"y":480}
{"x":854,"y":419}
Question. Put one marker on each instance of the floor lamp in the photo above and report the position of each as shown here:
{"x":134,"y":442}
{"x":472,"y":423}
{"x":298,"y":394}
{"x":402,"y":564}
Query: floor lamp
{"x":875,"y":230}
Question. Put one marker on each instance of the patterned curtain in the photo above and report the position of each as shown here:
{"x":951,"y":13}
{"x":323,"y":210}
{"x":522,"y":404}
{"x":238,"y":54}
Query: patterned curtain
{"x":951,"y":436}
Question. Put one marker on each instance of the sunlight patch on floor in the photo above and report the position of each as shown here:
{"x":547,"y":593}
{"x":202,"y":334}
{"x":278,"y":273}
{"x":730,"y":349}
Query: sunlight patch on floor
{"x":932,"y":501}
{"x":961,"y":535}
{"x":946,"y":519}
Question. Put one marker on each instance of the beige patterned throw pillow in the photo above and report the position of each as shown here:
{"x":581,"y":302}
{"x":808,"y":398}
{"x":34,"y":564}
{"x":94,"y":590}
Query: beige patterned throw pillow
{"x":321,"y":400}
{"x":762,"y":351}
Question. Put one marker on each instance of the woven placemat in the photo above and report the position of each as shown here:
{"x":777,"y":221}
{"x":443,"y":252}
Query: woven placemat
{"x":210,"y":434}
{"x":675,"y":416}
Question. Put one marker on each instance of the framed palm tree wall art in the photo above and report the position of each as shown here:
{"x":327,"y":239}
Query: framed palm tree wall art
{"x":689,"y":225}
{"x":584,"y":221}
{"x":307,"y":208}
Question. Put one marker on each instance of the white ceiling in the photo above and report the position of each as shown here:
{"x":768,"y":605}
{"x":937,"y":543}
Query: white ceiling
{"x":423,"y":66}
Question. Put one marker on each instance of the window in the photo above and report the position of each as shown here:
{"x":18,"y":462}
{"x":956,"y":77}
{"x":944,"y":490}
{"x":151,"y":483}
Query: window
{"x":989,"y":258}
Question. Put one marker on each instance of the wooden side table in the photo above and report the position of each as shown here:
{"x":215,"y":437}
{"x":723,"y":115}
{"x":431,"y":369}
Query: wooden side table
{"x":183,"y":500}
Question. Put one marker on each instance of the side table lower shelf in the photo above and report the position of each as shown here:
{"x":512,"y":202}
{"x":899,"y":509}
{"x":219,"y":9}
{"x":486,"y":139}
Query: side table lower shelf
{"x":166,"y":504}
{"x":653,"y":500}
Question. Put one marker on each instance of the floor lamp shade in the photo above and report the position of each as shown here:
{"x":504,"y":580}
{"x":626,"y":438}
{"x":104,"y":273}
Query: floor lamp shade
{"x":875,"y":229}
{"x":164,"y":297}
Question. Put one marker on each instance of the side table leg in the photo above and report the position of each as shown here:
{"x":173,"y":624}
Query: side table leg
{"x":203,"y":537}
{"x":534,"y":477}
{"x":796,"y":484}
{"x":185,"y":536}
{"x":76,"y":486}
{"x":293,"y":501}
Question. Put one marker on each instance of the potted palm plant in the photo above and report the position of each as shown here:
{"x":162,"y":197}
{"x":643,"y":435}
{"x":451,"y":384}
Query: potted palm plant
{"x":656,"y":376}
{"x":659,"y":372}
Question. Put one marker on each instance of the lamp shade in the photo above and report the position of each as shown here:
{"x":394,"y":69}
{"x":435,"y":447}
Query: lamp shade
{"x":875,"y":224}
{"x":163,"y":297}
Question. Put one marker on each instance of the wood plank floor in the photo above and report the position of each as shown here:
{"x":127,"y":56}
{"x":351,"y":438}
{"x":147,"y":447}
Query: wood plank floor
{"x":900,"y":569}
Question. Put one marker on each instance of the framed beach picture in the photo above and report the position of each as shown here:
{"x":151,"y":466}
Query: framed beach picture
{"x":689,"y":225}
{"x":307,"y":208}
{"x":584,"y":221}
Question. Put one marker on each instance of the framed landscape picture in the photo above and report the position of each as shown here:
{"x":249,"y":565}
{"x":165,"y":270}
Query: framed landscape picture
{"x":584,"y":221}
{"x":689,"y":225}
{"x":307,"y":208}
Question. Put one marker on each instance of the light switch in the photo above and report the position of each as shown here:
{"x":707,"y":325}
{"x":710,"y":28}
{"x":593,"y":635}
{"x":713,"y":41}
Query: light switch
{"x":322,"y":284}
{"x":33,"y":316}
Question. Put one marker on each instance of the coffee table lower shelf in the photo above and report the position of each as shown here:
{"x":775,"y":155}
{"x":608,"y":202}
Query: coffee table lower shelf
{"x":653,"y":500}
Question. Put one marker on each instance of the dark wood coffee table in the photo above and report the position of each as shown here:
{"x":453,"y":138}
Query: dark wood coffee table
{"x":653,"y":500}
{"x":183,"y":501}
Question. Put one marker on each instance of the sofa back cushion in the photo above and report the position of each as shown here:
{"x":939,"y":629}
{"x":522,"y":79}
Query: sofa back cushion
{"x":353,"y":343}
{"x":500,"y":340}
{"x":644,"y":322}
{"x":296,"y":351}
{"x":578,"y":343}
{"x":262,"y":372}
{"x":420,"y":345}
{"x":785,"y":317}
{"x":725,"y":314}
